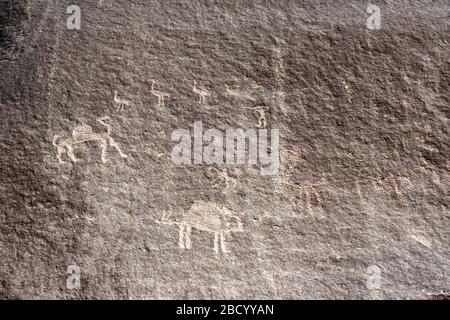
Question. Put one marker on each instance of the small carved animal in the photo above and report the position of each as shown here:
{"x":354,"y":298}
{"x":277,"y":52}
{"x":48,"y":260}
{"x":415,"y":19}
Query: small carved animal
{"x":84,"y":133}
{"x":222,"y":176}
{"x":120,"y":102}
{"x":159,"y":94}
{"x":262,"y":121}
{"x":206,"y":216}
{"x":202,"y":93}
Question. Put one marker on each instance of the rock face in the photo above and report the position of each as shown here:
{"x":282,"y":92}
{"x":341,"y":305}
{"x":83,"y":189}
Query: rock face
{"x":359,"y":205}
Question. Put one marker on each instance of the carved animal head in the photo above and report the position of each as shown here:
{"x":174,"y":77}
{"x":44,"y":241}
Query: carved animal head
{"x":233,"y":223}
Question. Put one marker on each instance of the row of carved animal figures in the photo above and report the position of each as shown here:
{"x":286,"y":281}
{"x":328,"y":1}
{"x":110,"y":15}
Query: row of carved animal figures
{"x":202,"y":94}
{"x":161,"y":95}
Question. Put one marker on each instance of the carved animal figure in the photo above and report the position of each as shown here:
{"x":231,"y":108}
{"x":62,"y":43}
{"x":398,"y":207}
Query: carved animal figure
{"x":159,"y":94}
{"x":202,"y":93}
{"x":222,"y":177}
{"x":262,"y":121}
{"x":308,"y":189}
{"x":84,"y":133}
{"x":206,"y":216}
{"x":120,"y":102}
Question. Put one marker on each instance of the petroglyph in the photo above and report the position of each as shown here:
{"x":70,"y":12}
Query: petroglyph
{"x":201,"y":93}
{"x":308,"y":190}
{"x":241,"y":94}
{"x":222,"y":176}
{"x":290,"y":159}
{"x":262,"y":121}
{"x":82,"y":134}
{"x":397,"y":183}
{"x":120,"y":102}
{"x":209,"y":217}
{"x":159,"y":94}
{"x":304,"y":193}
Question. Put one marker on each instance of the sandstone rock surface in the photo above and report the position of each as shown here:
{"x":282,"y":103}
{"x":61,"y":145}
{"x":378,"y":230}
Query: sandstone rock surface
{"x":363,"y":181}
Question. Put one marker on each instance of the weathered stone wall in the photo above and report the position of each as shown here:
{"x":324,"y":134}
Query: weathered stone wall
{"x":362,"y":186}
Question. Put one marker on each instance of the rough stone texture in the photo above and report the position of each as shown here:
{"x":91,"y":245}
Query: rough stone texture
{"x":364,"y":175}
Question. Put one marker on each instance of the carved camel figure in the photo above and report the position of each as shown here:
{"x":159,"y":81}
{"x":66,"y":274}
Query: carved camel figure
{"x":84,"y":133}
{"x":206,"y":216}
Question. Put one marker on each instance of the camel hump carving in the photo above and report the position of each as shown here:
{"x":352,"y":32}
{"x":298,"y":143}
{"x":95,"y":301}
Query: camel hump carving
{"x":209,"y":217}
{"x":81,"y":131}
{"x":84,"y":133}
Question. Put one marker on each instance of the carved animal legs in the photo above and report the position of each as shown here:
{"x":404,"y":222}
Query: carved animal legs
{"x":222,"y":242}
{"x":309,"y":198}
{"x":184,"y":240}
{"x":220,"y":237}
{"x":358,"y":190}
{"x":71,"y":153}
{"x":121,"y":106}
{"x":114,"y":144}
{"x":187,"y":238}
{"x":104,"y":146}
{"x":181,"y":242}
{"x":60,"y":153}
{"x":216,"y":242}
